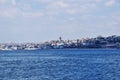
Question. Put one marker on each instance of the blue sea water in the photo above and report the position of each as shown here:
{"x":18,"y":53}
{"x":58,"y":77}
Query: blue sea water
{"x":68,"y":64}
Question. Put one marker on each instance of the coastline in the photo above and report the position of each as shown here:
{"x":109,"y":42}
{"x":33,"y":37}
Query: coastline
{"x":110,"y":42}
{"x":67,"y":49}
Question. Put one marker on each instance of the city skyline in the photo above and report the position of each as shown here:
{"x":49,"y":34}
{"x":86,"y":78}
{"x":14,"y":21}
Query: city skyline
{"x":42,"y":20}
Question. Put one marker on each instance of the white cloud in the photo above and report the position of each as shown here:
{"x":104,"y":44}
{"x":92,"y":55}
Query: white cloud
{"x":10,"y":12}
{"x":24,"y":6}
{"x":16,"y":9}
{"x":4,"y":14}
{"x":81,"y":17}
{"x":57,"y":5}
{"x":2,"y":1}
{"x":54,"y":8}
{"x":65,"y":7}
{"x":32,"y":14}
{"x":71,"y":11}
{"x":110,"y":3}
{"x":60,"y":4}
{"x":8,"y":9}
{"x":44,"y":1}
{"x":15,"y":12}
{"x":13,"y":2}
{"x":98,"y":0}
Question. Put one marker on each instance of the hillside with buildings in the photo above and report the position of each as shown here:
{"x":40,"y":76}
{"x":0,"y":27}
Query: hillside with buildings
{"x":98,"y":42}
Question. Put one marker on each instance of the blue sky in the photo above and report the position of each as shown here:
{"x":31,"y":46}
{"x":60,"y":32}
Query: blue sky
{"x":42,"y":20}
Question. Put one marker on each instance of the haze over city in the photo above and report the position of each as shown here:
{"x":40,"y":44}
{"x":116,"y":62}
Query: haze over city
{"x":42,"y":20}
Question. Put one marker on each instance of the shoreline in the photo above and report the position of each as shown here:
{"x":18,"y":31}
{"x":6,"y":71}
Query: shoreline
{"x":112,"y":42}
{"x":67,"y":49}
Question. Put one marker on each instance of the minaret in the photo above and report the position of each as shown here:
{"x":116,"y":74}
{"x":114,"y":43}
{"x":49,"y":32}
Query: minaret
{"x":60,"y":38}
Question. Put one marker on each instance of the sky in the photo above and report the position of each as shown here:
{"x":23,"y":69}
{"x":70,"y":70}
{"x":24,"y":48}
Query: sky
{"x":43,"y":20}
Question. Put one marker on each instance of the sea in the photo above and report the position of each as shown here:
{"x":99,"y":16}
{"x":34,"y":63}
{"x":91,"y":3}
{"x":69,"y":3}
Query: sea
{"x":60,"y":64}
